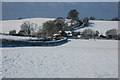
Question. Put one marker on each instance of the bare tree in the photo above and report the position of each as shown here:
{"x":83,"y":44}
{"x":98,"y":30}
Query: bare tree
{"x":27,"y":28}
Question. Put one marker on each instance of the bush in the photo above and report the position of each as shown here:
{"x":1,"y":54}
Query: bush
{"x":13,"y":32}
{"x":118,"y":36}
{"x":102,"y":36}
{"x":19,"y":18}
{"x":88,"y":33}
{"x":22,"y":33}
{"x":115,"y":19}
{"x":41,"y":34}
{"x":97,"y":33}
{"x":111,"y":34}
{"x":92,"y":18}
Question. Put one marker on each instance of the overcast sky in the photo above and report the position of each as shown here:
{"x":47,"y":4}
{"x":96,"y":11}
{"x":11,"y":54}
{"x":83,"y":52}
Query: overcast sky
{"x":100,"y":10}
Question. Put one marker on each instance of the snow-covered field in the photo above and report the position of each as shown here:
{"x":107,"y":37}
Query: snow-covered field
{"x":15,"y":37}
{"x":9,"y":25}
{"x":101,"y":26}
{"x":75,"y":59}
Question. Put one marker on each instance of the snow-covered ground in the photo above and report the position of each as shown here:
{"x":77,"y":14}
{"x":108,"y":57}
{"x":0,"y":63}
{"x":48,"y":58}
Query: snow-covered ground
{"x":101,"y":26}
{"x":77,"y":58}
{"x":9,"y":37}
{"x":9,"y":25}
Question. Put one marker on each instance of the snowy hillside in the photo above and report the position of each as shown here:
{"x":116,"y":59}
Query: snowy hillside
{"x":75,"y":59}
{"x":8,"y":25}
{"x":101,"y":26}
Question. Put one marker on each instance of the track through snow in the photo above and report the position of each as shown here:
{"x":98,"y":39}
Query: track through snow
{"x":78,"y":58}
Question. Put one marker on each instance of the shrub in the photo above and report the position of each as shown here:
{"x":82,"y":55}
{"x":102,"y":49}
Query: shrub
{"x":118,"y":36}
{"x":115,"y":19}
{"x":102,"y":36}
{"x":75,"y":33}
{"x":19,"y":18}
{"x":92,"y":18}
{"x":111,"y":34}
{"x":88,"y":33}
{"x":13,"y":32}
{"x":97,"y":33}
{"x":41,"y":34}
{"x":22,"y":33}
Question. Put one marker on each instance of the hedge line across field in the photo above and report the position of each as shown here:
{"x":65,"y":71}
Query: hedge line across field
{"x":19,"y":43}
